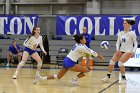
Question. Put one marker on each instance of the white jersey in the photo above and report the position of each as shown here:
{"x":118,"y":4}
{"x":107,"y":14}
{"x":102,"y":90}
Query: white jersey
{"x":30,"y":42}
{"x":127,"y":42}
{"x":78,"y":51}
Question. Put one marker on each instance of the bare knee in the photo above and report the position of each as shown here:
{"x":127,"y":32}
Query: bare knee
{"x":59,"y":76}
{"x":19,"y":54}
{"x":39,"y":60}
{"x":87,"y":70}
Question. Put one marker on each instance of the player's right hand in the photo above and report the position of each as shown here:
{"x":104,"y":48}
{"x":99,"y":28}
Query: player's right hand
{"x":34,"y":47}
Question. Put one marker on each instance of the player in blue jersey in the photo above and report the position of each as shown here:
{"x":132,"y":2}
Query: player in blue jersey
{"x":87,"y":36}
{"x":70,"y":60}
{"x":13,"y":51}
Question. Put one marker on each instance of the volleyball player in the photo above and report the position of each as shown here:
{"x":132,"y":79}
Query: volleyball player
{"x":70,"y":60}
{"x":30,"y":45}
{"x":125,"y":48}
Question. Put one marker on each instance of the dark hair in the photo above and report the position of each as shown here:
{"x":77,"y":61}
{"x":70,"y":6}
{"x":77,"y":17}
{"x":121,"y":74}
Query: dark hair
{"x":77,"y":38}
{"x":33,"y":33}
{"x":131,"y":22}
{"x":13,"y":41}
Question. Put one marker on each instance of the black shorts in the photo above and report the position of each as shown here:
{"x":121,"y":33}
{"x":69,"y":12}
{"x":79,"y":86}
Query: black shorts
{"x":122,"y":52}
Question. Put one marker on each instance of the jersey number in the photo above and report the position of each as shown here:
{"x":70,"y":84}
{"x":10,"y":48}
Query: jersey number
{"x":123,"y":40}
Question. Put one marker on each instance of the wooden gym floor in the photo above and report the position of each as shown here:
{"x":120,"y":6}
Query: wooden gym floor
{"x":89,"y":84}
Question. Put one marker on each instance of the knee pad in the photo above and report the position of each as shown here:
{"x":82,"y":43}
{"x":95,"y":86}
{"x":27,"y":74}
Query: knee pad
{"x":55,"y":76}
{"x":21,"y":63}
{"x":112,"y":62}
{"x":120,"y":63}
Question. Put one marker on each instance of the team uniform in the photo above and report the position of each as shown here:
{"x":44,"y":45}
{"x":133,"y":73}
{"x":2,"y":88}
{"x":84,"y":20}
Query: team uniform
{"x":30,"y":42}
{"x":76,"y":52}
{"x":13,"y":50}
{"x":127,"y":42}
{"x":88,"y":39}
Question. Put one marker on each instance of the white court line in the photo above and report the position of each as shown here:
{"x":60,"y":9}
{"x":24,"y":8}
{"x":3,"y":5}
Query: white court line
{"x":133,"y":82}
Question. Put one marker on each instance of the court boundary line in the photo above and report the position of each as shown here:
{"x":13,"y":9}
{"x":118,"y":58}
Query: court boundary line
{"x":108,"y":86}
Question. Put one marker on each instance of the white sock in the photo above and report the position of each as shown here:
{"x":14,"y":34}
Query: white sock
{"x":37,"y":72}
{"x":75,"y":78}
{"x":55,"y":76}
{"x":16,"y":72}
{"x":108,"y":72}
{"x":45,"y":78}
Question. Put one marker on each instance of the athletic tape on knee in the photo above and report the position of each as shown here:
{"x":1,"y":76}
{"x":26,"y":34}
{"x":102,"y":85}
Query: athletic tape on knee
{"x":21,"y":63}
{"x":112,"y":62}
{"x":55,"y":76}
{"x":120,"y":63}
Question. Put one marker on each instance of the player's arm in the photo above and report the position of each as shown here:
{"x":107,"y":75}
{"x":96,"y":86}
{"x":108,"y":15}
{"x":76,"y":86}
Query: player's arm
{"x":118,"y":43}
{"x":134,"y":42}
{"x":94,"y":53}
{"x":28,"y":44}
{"x":41,"y":46}
{"x":10,"y":50}
{"x":17,"y":48}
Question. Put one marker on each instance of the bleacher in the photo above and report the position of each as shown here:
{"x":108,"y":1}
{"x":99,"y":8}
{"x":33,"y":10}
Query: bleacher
{"x":68,"y":42}
{"x":7,"y":40}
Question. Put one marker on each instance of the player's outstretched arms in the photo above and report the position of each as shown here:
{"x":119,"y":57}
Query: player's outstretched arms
{"x":101,"y":57}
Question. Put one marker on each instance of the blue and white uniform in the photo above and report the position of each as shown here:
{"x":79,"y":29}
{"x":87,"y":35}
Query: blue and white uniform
{"x":88,"y":39}
{"x":30,"y":42}
{"x":76,"y":52}
{"x":127,"y":42}
{"x":13,"y":50}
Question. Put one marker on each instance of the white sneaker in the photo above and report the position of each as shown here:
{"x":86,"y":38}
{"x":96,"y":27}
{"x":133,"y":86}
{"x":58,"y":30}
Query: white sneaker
{"x":105,"y":80}
{"x":123,"y":81}
{"x":14,"y":76}
{"x":38,"y":78}
{"x":7,"y":65}
{"x":61,"y":82}
{"x":74,"y":82}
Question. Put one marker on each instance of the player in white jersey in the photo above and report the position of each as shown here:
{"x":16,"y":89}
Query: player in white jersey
{"x":30,"y":45}
{"x":70,"y":60}
{"x":125,"y":48}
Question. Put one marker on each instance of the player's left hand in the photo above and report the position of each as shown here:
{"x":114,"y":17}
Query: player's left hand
{"x":45,"y":52}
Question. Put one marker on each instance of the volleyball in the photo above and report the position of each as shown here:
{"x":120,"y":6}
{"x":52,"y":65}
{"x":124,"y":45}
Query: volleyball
{"x":104,"y":45}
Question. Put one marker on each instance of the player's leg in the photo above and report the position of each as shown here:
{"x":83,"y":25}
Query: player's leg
{"x":62,"y":72}
{"x":67,"y":64}
{"x":112,"y":62}
{"x":58,"y":76}
{"x":19,"y":57}
{"x":9,"y":57}
{"x":21,"y":64}
{"x":36,"y":57}
{"x":122,"y":60}
{"x":82,"y":70}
